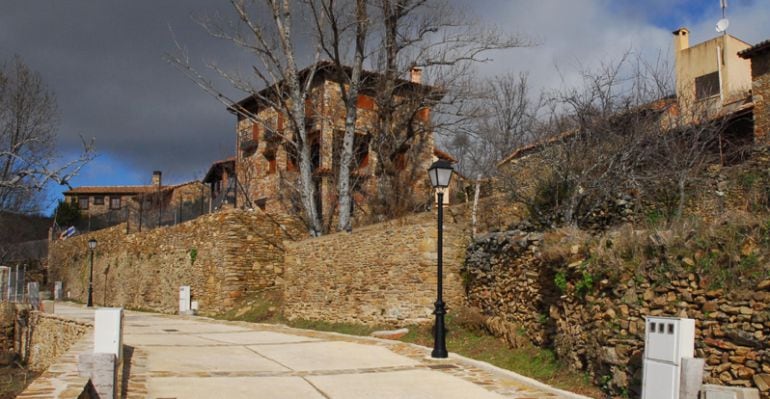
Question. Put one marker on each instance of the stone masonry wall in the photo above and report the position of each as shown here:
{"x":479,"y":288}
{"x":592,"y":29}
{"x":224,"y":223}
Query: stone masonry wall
{"x":221,"y":256}
{"x":760,"y":94}
{"x":601,"y":330}
{"x":380,"y":274}
{"x":50,"y":336}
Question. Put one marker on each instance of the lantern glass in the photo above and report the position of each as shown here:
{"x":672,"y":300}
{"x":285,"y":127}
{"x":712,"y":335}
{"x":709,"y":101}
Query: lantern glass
{"x":440,"y":173}
{"x":92,"y":243}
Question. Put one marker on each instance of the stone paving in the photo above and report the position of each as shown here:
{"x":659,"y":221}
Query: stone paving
{"x":195,"y":357}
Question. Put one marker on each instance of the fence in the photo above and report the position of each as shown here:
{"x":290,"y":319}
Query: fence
{"x":13,"y":287}
{"x":140,"y":215}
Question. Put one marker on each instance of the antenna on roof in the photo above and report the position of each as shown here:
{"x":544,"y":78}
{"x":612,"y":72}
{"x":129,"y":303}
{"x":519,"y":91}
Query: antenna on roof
{"x":723,"y":23}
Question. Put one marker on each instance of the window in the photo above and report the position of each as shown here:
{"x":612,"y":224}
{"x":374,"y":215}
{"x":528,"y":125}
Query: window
{"x":292,"y":159}
{"x":98,"y":200}
{"x":83,"y":202}
{"x":271,"y":162}
{"x":707,"y":85}
{"x":361,"y":150}
{"x":261,"y":203}
{"x":114,"y":202}
{"x":423,"y":115}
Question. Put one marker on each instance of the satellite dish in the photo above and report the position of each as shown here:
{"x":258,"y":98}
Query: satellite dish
{"x":722,"y":25}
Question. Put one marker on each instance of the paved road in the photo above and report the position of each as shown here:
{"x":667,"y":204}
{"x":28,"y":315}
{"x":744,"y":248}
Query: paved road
{"x":193,"y":357}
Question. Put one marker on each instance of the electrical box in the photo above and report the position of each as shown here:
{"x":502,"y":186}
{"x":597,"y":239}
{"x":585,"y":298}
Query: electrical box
{"x":57,"y":291}
{"x":667,"y":341}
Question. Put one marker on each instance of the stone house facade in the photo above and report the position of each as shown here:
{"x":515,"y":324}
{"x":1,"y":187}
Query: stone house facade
{"x":266,"y":164}
{"x":104,"y":206}
{"x":98,"y":200}
{"x":759,"y":56}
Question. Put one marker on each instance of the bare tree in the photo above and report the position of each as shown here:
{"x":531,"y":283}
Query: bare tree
{"x":620,"y":133}
{"x":506,"y":119}
{"x":28,"y":122}
{"x":690,"y":143}
{"x":404,"y":34}
{"x":347,"y":24}
{"x":592,"y":140}
{"x":266,"y":29}
{"x":445,"y":44}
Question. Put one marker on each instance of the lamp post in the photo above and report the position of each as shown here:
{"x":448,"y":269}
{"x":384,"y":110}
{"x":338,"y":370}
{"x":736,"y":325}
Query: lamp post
{"x":440,"y":173}
{"x":91,"y":246}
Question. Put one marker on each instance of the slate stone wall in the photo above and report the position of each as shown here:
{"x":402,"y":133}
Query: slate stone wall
{"x":380,"y":274}
{"x":222,"y":256}
{"x":601,"y":330}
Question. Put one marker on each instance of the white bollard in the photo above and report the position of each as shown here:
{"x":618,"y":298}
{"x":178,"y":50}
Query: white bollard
{"x":108,"y":331}
{"x":184,"y":300}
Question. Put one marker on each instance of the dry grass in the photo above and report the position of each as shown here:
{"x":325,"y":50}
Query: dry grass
{"x":728,"y":252}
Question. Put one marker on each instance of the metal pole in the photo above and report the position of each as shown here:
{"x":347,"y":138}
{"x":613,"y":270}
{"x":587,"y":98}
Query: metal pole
{"x":160,"y":206}
{"x":141,"y":205}
{"x":439,"y":341}
{"x":91,"y":283}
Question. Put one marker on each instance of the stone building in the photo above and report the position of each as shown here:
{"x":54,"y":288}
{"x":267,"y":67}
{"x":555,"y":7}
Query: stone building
{"x":266,"y":164}
{"x":759,"y":56}
{"x":717,"y":76}
{"x":711,"y":71}
{"x":154,"y":204}
{"x":97,"y":200}
{"x":222,"y":184}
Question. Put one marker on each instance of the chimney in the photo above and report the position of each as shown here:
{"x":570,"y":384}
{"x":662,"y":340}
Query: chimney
{"x":415,"y":75}
{"x":681,"y":39}
{"x":156,"y":178}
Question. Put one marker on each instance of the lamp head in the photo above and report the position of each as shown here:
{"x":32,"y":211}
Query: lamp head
{"x":92,"y":243}
{"x":440,"y":173}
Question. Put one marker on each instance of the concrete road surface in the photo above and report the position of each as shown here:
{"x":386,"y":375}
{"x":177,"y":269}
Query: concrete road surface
{"x":195,"y":357}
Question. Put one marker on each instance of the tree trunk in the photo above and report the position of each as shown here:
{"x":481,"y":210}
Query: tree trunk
{"x":476,"y":193}
{"x":351,"y":117}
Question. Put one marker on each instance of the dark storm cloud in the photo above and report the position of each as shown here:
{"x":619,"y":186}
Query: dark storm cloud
{"x":104,"y":60}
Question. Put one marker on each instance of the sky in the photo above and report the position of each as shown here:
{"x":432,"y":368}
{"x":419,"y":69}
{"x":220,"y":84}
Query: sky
{"x":105,"y":61}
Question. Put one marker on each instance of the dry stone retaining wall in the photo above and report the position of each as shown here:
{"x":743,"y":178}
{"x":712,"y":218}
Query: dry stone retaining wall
{"x":381,"y":274}
{"x":50,"y":337}
{"x":602,"y":331}
{"x":222,"y":256}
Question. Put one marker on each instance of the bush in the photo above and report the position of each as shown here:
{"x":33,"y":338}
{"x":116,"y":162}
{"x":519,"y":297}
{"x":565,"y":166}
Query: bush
{"x":66,"y":214}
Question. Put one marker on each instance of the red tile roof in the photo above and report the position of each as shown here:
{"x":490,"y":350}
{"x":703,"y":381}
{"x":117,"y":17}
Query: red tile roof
{"x":443,"y":155}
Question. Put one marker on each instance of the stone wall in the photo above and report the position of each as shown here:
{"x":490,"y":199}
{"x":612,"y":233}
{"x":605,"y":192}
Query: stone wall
{"x":599,"y":327}
{"x":760,"y":95}
{"x":46,"y":337}
{"x":222,"y":256}
{"x":381,"y":274}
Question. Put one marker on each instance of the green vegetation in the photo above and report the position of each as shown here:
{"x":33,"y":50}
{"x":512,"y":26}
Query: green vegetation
{"x":466,"y":338}
{"x":193,"y":255}
{"x":66,"y":214}
{"x":263,"y":307}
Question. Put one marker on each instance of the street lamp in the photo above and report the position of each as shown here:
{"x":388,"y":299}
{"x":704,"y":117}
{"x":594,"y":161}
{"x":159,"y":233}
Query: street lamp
{"x":91,"y":246}
{"x":440,"y":174}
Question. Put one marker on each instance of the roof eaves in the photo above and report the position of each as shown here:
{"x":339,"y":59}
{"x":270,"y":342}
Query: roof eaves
{"x":756,"y":49}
